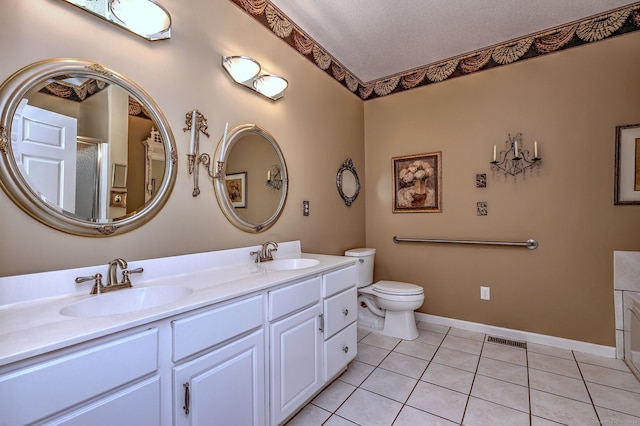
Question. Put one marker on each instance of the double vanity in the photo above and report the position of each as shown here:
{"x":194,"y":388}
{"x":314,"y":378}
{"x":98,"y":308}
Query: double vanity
{"x":232,"y":337}
{"x":208,"y":337}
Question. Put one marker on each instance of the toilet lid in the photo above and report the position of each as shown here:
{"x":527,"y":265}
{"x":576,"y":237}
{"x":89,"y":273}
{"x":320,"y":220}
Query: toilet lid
{"x":396,"y":287}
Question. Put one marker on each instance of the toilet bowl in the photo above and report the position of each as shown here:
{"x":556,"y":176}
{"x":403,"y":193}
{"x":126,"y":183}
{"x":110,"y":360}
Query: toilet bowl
{"x":386,"y":307}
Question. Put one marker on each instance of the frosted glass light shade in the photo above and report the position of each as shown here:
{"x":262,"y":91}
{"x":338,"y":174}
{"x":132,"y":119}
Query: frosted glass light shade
{"x":144,"y":17}
{"x":270,"y":85}
{"x":247,"y":72}
{"x":241,"y":68}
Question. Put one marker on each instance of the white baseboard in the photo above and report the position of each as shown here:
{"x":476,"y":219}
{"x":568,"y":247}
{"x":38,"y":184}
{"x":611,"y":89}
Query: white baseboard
{"x":542,"y":339}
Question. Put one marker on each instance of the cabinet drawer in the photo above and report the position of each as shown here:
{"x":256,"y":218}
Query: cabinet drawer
{"x":293,"y":297}
{"x":340,"y":350}
{"x":38,"y":391}
{"x":135,"y":405}
{"x":207,"y":329}
{"x":336,"y":281}
{"x":340,"y":311}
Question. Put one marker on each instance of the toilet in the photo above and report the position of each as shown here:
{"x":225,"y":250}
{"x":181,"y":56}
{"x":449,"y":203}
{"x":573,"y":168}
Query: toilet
{"x":385,"y":307}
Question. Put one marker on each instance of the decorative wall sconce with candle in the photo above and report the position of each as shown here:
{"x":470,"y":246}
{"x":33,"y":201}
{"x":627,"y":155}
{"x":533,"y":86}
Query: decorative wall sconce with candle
{"x":247,"y":72}
{"x":196,"y":123}
{"x":515,"y":159}
{"x":274,"y":178}
{"x":145,"y":18}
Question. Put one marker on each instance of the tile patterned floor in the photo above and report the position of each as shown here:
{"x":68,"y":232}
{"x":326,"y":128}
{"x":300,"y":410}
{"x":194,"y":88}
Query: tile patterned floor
{"x":449,"y":376}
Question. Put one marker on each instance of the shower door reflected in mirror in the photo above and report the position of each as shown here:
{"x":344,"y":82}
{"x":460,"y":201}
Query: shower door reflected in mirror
{"x":89,"y":180}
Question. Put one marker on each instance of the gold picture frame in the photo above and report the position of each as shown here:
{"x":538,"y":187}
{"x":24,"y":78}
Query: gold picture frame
{"x":118,"y":199}
{"x":236,"y":187}
{"x":417,"y":183}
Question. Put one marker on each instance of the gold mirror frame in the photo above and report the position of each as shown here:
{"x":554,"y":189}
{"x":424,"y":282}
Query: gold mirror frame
{"x":221,"y":157}
{"x":14,"y":89}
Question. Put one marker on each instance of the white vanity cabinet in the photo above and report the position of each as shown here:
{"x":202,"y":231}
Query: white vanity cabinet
{"x":313,"y":336}
{"x":295,"y":340}
{"x":225,"y":382}
{"x":110,"y":381}
{"x":240,"y":352}
{"x":340,"y":300}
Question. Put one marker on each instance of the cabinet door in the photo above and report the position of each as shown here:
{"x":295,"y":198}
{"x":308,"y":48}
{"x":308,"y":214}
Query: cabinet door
{"x":225,"y":387}
{"x":136,"y":405}
{"x":48,"y":387}
{"x":296,"y":361}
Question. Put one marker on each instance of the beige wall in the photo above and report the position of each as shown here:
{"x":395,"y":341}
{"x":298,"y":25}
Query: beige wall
{"x":570,"y":103}
{"x":318,"y":124}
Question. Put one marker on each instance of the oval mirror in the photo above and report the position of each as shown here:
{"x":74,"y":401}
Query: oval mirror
{"x":252,"y":187}
{"x":83,"y":149}
{"x":347,"y":182}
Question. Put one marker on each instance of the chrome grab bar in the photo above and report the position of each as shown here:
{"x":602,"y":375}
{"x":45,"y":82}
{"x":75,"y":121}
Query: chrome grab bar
{"x":530,"y":244}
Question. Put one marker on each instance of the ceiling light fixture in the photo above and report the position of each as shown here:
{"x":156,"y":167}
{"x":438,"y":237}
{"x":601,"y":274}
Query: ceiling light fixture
{"x":247,"y":72}
{"x":145,"y":18}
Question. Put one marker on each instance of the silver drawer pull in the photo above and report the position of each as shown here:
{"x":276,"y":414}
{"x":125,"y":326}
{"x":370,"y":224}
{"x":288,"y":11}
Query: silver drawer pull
{"x":345,"y":312}
{"x":345,"y":349}
{"x":187,"y":398}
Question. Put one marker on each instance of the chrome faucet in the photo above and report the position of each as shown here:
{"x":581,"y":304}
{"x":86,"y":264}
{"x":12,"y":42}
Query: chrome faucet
{"x":266,"y":252}
{"x":267,"y":249}
{"x":112,"y":277}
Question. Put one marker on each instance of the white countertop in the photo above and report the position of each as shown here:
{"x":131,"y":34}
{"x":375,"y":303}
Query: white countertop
{"x":35,"y":327}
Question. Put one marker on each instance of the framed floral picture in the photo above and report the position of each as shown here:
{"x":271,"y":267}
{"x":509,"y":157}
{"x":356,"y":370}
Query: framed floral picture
{"x":627,"y":179}
{"x":236,"y":185}
{"x":417,"y":183}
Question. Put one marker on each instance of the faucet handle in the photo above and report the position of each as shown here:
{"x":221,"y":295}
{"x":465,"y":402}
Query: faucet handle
{"x":257,"y":254}
{"x":127,"y":272}
{"x":97,"y":286}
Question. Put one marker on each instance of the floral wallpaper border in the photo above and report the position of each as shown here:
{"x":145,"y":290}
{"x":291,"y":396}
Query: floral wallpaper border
{"x":606,"y":25}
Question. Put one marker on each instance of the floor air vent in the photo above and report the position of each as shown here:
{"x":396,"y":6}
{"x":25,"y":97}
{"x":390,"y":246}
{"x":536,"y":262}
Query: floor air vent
{"x":508,"y":342}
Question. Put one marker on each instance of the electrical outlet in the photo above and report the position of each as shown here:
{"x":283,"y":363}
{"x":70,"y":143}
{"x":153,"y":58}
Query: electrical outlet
{"x":305,"y":208}
{"x":485,"y":293}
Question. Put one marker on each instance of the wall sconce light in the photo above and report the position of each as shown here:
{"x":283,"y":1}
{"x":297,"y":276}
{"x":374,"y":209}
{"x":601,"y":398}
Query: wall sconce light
{"x":145,"y":18}
{"x":247,"y":72}
{"x":274,"y":178}
{"x":515,"y":159}
{"x":196,"y":123}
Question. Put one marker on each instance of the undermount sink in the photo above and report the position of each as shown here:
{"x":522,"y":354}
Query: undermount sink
{"x":123,"y":301}
{"x":288,"y":264}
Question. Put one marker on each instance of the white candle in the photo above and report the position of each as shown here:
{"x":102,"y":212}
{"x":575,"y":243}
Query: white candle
{"x":269,"y":175}
{"x":494,"y":153}
{"x":535,"y":149}
{"x":515,"y":148}
{"x":224,"y":139}
{"x":192,"y":142}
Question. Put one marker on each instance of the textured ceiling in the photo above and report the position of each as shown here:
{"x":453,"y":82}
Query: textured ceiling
{"x":378,"y":47}
{"x":378,"y":38}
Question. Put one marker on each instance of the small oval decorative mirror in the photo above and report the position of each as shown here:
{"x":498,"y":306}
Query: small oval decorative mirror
{"x":83,"y":149}
{"x":347,"y":182}
{"x":252,"y":187}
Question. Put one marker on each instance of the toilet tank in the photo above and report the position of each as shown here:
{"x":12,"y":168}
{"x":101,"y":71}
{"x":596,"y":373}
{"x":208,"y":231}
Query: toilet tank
{"x":364,"y":265}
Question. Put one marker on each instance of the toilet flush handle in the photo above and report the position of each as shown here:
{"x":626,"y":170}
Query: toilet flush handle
{"x":345,"y":312}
